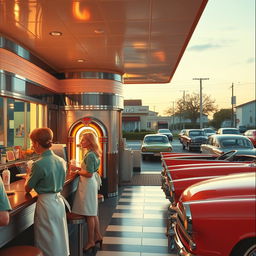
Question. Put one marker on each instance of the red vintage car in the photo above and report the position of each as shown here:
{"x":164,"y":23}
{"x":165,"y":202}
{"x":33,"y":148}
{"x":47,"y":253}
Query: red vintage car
{"x":178,"y":179}
{"x":196,"y":162}
{"x":217,"y":217}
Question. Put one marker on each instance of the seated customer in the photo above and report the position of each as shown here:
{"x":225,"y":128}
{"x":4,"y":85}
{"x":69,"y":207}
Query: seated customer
{"x":4,"y":206}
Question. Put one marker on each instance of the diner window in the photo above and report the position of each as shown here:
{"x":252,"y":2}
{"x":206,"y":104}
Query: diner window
{"x":10,"y":122}
{"x":31,"y":120}
{"x":17,"y":120}
{"x":40,"y":115}
{"x":148,"y":124}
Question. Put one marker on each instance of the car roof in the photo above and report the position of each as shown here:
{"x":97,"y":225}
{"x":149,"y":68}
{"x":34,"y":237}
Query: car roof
{"x":228,"y":128}
{"x":151,"y":135}
{"x":228,"y":136}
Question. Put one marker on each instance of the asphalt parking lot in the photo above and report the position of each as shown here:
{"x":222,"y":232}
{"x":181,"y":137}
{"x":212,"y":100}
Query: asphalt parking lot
{"x":154,"y":165}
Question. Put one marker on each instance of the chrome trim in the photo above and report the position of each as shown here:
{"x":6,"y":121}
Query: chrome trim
{"x":93,"y":75}
{"x":188,"y":217}
{"x":182,"y":251}
{"x":93,"y":100}
{"x":24,"y":86}
{"x":24,"y":89}
{"x":13,"y":47}
{"x":186,"y":235}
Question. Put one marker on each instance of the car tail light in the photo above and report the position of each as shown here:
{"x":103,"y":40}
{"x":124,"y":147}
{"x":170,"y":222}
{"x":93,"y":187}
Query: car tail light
{"x":143,"y":149}
{"x":254,"y":135}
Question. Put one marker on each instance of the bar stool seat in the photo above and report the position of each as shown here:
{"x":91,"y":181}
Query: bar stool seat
{"x":79,"y":220}
{"x":21,"y":251}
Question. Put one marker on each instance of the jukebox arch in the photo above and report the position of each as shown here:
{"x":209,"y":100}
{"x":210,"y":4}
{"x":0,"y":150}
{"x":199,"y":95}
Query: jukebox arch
{"x":80,"y":127}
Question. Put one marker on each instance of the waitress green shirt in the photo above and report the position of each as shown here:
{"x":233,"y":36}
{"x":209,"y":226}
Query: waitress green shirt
{"x":91,"y":161}
{"x":48,"y":173}
{"x":4,"y":201}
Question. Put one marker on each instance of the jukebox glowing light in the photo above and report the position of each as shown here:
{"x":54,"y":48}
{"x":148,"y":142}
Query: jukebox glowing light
{"x":85,"y":125}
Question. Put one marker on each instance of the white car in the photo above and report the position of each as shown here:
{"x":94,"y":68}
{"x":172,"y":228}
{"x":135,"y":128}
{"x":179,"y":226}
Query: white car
{"x":166,"y":132}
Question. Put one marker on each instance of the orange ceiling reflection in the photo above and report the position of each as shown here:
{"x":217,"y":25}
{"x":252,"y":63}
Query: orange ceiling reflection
{"x":80,"y":12}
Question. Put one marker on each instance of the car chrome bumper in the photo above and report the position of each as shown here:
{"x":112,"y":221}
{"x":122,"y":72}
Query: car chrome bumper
{"x":181,"y":250}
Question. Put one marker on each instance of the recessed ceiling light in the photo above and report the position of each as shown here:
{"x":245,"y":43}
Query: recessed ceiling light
{"x":55,"y":33}
{"x":80,"y":60}
{"x":99,"y":31}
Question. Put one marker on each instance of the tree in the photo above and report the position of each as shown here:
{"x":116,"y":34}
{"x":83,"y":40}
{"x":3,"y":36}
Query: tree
{"x":189,"y":108}
{"x":220,"y":116}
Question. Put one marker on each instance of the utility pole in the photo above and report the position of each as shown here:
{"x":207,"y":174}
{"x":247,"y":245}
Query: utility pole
{"x":233,"y":103}
{"x":182,"y":126}
{"x":201,"y":100}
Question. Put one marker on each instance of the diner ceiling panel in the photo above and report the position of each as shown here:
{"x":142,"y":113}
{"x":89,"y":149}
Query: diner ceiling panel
{"x":142,"y":39}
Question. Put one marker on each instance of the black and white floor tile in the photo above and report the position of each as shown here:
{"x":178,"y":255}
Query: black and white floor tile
{"x":138,"y":224}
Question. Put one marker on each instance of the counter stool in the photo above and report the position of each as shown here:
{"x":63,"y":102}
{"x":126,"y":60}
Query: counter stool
{"x":21,"y":251}
{"x":79,"y":220}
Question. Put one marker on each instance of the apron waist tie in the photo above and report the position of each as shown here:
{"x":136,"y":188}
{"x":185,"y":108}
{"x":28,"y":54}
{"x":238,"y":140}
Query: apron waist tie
{"x":64,"y":200}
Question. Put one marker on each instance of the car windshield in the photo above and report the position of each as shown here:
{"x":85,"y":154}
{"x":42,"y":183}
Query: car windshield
{"x":164,"y":131}
{"x":230,"y":131}
{"x":196,"y":133}
{"x":209,"y":130}
{"x":156,"y":139}
{"x":236,"y":143}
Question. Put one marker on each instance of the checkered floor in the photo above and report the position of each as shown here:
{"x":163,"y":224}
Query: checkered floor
{"x":138,"y":224}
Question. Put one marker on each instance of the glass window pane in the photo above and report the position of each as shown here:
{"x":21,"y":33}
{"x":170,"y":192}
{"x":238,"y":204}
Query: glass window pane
{"x":31,"y":120}
{"x":40,"y":116}
{"x":10,"y":122}
{"x":19,"y":126}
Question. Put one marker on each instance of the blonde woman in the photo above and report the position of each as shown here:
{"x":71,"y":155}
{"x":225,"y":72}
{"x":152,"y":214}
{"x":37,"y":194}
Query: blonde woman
{"x":47,"y":179}
{"x":86,"y":198}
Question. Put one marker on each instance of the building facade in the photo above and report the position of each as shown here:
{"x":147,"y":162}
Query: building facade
{"x":246,"y":114}
{"x":137,"y":117}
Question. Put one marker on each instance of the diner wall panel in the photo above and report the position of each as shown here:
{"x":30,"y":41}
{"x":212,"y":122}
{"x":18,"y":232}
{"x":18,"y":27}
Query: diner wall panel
{"x":13,"y":63}
{"x":90,"y":85}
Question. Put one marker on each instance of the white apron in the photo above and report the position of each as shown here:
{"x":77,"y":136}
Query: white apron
{"x":86,"y":197}
{"x":50,"y":225}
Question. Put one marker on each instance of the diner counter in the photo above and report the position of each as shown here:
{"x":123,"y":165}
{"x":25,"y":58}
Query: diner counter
{"x":23,"y":207}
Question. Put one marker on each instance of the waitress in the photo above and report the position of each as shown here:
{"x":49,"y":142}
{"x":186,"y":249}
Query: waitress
{"x":47,"y":179}
{"x":86,"y":198}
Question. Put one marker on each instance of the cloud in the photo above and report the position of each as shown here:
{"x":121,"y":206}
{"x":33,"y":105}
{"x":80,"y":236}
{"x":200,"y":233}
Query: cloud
{"x":203,"y":47}
{"x":250,"y":60}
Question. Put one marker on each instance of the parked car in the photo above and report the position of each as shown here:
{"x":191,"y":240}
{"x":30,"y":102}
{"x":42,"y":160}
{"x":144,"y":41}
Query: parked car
{"x":251,"y":134}
{"x":228,"y":131}
{"x":166,"y":132}
{"x":179,"y":178}
{"x":219,"y":144}
{"x":209,"y":131}
{"x":171,"y":161}
{"x":180,"y":134}
{"x":193,"y":138}
{"x":153,"y":144}
{"x":217,"y":217}
{"x":242,"y":128}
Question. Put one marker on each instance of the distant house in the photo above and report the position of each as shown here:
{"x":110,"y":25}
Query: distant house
{"x":246,"y":114}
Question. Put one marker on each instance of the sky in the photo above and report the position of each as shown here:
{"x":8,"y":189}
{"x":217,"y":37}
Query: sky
{"x":222,"y":48}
